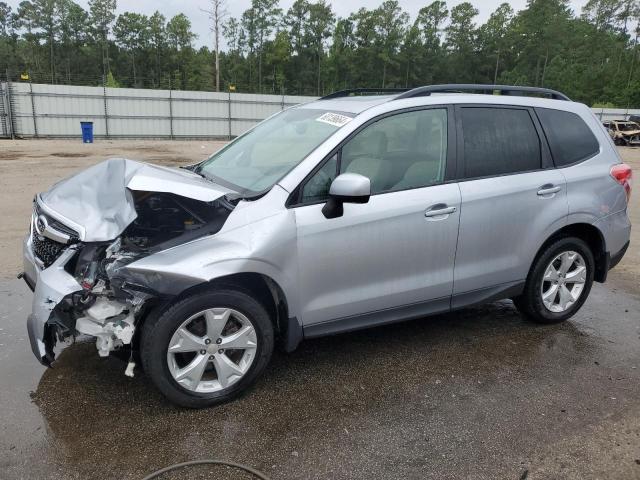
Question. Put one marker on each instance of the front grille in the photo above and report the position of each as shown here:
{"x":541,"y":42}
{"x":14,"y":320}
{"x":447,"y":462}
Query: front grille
{"x":55,"y":224}
{"x":46,"y":250}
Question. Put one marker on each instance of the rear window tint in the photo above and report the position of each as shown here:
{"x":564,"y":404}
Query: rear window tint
{"x":499,"y":141}
{"x":570,"y":139}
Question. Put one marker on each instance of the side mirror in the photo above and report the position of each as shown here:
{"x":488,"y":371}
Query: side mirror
{"x":346,"y":188}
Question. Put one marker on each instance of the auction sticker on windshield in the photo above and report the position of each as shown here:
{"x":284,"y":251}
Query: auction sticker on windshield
{"x":334,"y":119}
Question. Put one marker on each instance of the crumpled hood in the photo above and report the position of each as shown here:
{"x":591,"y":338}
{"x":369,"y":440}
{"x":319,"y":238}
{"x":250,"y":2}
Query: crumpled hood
{"x":98,"y":200}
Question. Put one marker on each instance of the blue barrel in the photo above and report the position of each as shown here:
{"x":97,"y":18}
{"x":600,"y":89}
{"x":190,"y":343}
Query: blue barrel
{"x":87,"y":132}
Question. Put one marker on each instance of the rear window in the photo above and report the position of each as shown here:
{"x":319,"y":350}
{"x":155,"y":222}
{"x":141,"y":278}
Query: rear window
{"x":499,"y":141}
{"x":570,"y":139}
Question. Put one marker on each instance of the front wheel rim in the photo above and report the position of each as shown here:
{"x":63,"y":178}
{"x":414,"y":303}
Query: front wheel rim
{"x":212,"y":350}
{"x":563,"y":281}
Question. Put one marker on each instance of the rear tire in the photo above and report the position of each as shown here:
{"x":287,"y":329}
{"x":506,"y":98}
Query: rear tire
{"x":558,"y":283}
{"x":207,"y":348}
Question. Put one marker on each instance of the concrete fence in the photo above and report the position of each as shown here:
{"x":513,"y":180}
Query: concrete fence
{"x":55,"y":111}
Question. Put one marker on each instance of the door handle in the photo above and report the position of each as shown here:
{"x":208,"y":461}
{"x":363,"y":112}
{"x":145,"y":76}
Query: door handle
{"x":548,"y":189}
{"x":439,"y":210}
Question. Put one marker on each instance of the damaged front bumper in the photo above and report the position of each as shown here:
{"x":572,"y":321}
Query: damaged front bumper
{"x":49,"y":286}
{"x":87,"y":230}
{"x":110,"y":321}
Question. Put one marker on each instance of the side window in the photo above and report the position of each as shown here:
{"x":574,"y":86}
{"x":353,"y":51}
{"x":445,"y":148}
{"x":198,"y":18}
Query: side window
{"x":499,"y":141}
{"x":403,"y":151}
{"x":570,"y":139}
{"x":317,"y":187}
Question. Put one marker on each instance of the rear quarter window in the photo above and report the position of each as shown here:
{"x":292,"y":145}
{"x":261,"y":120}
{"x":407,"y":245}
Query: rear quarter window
{"x":569,"y":137}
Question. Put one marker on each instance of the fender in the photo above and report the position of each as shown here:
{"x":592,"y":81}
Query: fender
{"x":267,"y":247}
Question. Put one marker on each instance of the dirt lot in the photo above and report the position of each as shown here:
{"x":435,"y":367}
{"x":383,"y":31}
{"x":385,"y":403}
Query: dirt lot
{"x":629,"y":269}
{"x":479,"y":393}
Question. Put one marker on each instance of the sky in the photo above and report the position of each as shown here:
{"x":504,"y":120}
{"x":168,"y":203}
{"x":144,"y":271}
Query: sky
{"x":342,"y":8}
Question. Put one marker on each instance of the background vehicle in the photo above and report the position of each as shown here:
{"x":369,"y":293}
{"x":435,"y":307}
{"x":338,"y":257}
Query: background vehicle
{"x":352,"y":211}
{"x":623,"y":132}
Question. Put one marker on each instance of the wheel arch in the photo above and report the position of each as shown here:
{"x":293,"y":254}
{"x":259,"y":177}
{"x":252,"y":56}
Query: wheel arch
{"x":262,"y":287}
{"x":268,"y":292}
{"x":592,"y":236}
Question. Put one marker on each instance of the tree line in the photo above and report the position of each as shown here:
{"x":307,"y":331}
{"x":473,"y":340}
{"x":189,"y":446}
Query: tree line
{"x":592,"y":55}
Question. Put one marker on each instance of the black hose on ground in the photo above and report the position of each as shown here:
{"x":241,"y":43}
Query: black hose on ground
{"x":171,"y":468}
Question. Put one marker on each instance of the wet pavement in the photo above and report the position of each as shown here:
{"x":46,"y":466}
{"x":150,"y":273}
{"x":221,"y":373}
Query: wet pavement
{"x":477,"y":394}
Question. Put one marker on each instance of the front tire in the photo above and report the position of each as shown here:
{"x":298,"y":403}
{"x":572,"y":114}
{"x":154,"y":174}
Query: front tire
{"x":207,"y":348}
{"x":559,"y":282}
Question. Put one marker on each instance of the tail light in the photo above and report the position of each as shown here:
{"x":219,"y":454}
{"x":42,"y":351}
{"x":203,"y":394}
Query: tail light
{"x":622,"y":174}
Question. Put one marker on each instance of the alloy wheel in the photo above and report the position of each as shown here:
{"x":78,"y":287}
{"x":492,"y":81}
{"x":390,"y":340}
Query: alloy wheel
{"x":212,"y":350}
{"x":563,"y":282}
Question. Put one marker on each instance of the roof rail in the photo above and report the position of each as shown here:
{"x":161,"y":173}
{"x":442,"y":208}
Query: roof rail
{"x":352,"y":92}
{"x":480,"y":88}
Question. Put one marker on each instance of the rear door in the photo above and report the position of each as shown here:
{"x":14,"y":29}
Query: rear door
{"x":512,"y":199}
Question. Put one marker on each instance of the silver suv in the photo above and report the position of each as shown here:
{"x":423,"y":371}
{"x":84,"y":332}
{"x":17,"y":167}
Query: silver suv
{"x":359,"y":209}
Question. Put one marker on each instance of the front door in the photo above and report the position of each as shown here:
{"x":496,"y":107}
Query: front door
{"x":395,"y":253}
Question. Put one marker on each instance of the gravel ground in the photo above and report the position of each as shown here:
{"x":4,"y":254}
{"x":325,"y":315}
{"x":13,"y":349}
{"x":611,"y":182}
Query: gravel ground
{"x":476,"y":394}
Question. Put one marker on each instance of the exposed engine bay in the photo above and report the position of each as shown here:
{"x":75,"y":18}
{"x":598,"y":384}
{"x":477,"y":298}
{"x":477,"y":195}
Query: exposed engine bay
{"x":108,"y":302}
{"x":165,"y":219}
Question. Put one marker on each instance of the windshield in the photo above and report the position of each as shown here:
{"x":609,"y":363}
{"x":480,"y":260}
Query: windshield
{"x":261,"y":157}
